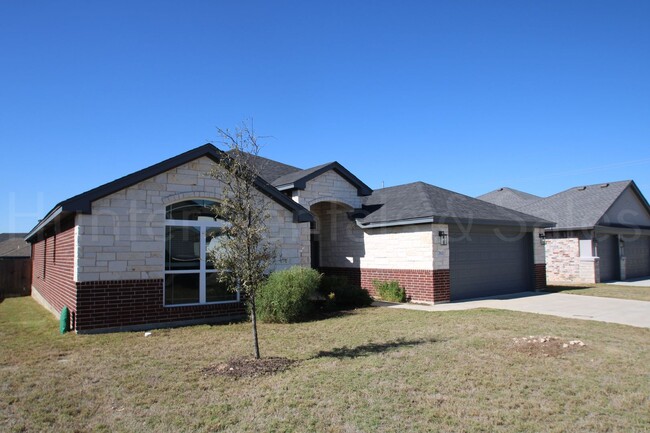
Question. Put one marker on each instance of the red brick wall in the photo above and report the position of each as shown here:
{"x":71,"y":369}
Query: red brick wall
{"x":53,"y":270}
{"x":114,"y":304}
{"x":540,"y":276}
{"x":420,"y":285}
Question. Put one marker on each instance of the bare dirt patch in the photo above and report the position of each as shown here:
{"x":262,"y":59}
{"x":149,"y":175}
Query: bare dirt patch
{"x":250,"y":367}
{"x":546,"y":345}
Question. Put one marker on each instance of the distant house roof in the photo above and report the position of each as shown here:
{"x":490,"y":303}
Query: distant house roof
{"x":580,"y":207}
{"x":508,"y":197}
{"x":82,"y":203}
{"x":420,"y":202}
{"x":299,"y":179}
{"x":13,"y":245}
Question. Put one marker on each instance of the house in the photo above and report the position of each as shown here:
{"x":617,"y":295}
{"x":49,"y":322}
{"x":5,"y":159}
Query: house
{"x":602,"y":231}
{"x":132,"y":253}
{"x":15,"y":265}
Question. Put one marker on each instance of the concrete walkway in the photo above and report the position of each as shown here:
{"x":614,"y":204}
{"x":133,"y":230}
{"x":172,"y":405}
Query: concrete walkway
{"x":623,"y":311}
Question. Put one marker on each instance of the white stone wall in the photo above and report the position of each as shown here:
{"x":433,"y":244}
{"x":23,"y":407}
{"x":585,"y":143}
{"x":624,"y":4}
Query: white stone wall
{"x":329,"y":186}
{"x":400,"y":247}
{"x":123,"y":238}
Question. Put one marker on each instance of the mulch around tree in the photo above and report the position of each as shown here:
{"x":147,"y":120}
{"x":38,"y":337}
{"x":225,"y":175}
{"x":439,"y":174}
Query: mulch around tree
{"x":250,"y":367}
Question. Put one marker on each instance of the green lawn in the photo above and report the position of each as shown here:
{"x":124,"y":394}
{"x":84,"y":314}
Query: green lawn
{"x":605,"y":290}
{"x":374,"y":370}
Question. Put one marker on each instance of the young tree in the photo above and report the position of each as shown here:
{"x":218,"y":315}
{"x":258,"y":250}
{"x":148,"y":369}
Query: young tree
{"x":244,"y":254}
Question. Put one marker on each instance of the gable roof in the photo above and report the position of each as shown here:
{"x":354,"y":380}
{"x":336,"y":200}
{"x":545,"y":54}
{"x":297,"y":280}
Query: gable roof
{"x":13,"y":245}
{"x":269,"y":169}
{"x":81,"y":203}
{"x":508,"y":197}
{"x":420,"y":202}
{"x":581,"y":207}
{"x":299,"y":179}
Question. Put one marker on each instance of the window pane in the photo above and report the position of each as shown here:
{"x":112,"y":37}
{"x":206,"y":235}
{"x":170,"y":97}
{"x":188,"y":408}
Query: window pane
{"x":192,"y":210}
{"x":181,"y":289}
{"x":216,"y":291}
{"x":182,"y":248}
{"x":212,"y":240}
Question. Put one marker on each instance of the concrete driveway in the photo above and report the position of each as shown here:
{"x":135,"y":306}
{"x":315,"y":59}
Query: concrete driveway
{"x":638,"y":282}
{"x":623,"y":311}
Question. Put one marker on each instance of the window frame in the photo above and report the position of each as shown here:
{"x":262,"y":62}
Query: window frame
{"x":203,"y":225}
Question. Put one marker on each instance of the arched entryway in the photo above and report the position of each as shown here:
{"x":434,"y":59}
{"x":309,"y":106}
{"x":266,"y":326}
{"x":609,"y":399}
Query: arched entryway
{"x":336,"y":241}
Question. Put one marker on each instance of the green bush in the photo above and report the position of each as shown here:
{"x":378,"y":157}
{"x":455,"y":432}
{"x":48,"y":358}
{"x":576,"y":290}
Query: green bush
{"x":390,"y":291}
{"x":287,"y":295}
{"x":340,"y":294}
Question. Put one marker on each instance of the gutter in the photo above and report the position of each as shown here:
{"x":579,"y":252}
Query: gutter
{"x":44,"y":222}
{"x":395,"y":223}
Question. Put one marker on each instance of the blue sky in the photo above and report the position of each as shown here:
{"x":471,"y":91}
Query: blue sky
{"x":466,"y":95}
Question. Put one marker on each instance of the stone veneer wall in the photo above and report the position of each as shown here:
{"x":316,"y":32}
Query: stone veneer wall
{"x":123,"y":238}
{"x":565,"y":265}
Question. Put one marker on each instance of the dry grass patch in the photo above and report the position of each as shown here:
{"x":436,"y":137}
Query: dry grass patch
{"x":376,"y":370}
{"x":605,"y":290}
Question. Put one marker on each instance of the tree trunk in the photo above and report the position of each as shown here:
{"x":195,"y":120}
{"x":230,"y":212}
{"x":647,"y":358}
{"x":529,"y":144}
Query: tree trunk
{"x":255,"y":342}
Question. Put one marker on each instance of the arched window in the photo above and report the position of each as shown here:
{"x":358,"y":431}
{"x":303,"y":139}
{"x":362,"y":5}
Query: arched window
{"x":191,"y":230}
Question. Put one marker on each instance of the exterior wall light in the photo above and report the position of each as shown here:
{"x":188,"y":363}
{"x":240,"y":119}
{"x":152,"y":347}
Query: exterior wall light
{"x":542,"y":238}
{"x":443,"y":237}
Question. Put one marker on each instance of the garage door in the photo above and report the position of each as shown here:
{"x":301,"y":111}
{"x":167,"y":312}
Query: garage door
{"x":609,"y":261}
{"x":489,"y":261}
{"x":637,"y":257}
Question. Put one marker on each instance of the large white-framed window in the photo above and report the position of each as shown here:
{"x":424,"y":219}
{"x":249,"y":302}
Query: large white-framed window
{"x":191,"y":231}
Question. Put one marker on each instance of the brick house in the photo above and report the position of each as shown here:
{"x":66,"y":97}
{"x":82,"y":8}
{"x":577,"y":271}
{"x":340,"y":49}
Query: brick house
{"x":602,"y":231}
{"x":132,"y":253}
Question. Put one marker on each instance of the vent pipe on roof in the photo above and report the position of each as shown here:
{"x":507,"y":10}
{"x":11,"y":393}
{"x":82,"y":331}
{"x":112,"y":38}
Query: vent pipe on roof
{"x":582,"y":188}
{"x":605,"y":185}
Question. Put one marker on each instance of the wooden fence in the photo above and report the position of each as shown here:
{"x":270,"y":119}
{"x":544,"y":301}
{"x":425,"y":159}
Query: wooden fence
{"x":15,"y":277}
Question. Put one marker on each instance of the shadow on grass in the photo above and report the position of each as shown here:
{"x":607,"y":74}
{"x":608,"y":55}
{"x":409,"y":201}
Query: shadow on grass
{"x":371,"y":348}
{"x":560,"y":289}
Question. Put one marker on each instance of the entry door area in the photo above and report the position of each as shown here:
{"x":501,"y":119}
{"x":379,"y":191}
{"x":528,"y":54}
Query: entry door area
{"x":489,"y":261}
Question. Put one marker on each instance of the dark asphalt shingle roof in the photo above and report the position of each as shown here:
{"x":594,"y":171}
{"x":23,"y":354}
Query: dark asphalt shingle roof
{"x":579,"y":207}
{"x":14,"y":245}
{"x":297,"y":175}
{"x":270,"y":170}
{"x":421,"y":200}
{"x":509,"y":197}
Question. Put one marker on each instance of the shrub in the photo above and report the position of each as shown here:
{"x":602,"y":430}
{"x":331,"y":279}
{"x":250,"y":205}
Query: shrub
{"x":286,"y":296}
{"x":341,"y":294}
{"x":390,"y":291}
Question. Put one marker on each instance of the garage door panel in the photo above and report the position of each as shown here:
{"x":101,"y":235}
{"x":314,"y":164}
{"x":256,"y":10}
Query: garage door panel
{"x":637,"y":257}
{"x":488,"y":262}
{"x":609,"y":262}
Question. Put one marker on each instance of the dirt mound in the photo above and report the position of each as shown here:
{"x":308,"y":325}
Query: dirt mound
{"x":250,"y":367}
{"x":546,"y":345}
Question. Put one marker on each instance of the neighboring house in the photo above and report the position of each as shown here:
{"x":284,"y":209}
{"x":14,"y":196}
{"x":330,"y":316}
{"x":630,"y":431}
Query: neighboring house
{"x":15,"y":265}
{"x":602,"y":231}
{"x":132,"y":253}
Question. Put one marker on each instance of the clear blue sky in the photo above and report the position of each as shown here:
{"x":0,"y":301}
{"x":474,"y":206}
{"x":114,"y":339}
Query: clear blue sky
{"x":466,"y":95}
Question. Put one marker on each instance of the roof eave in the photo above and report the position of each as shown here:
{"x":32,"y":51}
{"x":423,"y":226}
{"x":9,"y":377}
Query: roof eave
{"x":54,"y":213}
